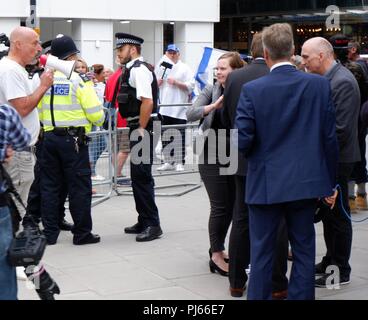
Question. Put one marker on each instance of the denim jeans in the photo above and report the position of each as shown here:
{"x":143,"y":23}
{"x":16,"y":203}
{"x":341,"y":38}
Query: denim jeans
{"x":8,"y":280}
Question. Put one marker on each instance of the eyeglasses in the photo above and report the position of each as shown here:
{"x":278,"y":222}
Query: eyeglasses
{"x":172,"y":52}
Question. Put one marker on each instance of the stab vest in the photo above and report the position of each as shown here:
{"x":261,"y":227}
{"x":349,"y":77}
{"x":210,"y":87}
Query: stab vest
{"x":129,"y":105}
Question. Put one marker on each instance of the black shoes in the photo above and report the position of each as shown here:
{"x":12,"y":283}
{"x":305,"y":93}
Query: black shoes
{"x":320,"y":269}
{"x":136,"y":229}
{"x":214,"y":267}
{"x":89,"y":239}
{"x":328,"y":281}
{"x":65,"y":225}
{"x":149,"y":234}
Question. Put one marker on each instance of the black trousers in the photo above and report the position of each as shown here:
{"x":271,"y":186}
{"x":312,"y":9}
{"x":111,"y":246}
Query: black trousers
{"x":359,"y":174}
{"x":34,"y":196}
{"x":221,"y":193}
{"x":141,"y":158}
{"x":239,"y":244}
{"x":337,"y":229}
{"x":61,"y":162}
{"x":178,"y":158}
{"x":279,"y":279}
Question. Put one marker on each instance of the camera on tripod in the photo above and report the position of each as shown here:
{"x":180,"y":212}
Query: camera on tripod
{"x":26,"y":250}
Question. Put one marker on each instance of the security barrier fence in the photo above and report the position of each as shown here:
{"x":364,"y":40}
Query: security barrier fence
{"x":173,"y":156}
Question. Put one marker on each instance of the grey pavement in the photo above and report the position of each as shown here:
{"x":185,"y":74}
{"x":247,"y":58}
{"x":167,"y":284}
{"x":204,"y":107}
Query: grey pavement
{"x":172,"y":267}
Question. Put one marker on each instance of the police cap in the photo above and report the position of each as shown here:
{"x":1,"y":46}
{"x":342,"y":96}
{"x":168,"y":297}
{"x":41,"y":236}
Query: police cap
{"x":339,"y":41}
{"x":125,"y":38}
{"x":63,"y":47}
{"x":46,"y":46}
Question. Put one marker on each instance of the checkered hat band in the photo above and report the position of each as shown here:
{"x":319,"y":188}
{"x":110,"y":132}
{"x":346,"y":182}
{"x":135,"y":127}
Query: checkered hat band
{"x":127,"y":41}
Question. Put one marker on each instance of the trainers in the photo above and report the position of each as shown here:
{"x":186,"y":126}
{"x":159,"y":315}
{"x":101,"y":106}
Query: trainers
{"x":361,"y":202}
{"x":320,"y":269}
{"x":98,"y":178}
{"x":179,"y":167}
{"x":328,"y":281}
{"x":166,"y":167}
{"x":352,"y":205}
{"x":21,"y":275}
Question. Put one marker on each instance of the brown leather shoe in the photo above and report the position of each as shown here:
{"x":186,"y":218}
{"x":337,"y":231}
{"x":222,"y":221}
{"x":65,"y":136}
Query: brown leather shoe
{"x":279,"y":295}
{"x":237,"y":292}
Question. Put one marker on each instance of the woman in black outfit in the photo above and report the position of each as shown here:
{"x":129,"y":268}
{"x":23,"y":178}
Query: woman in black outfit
{"x":220,"y":188}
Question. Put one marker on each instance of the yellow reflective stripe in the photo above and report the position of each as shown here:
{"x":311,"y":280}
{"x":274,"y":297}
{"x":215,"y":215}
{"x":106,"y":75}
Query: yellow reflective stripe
{"x":67,"y":123}
{"x":74,"y":91}
{"x":62,"y":107}
{"x":93,"y":109}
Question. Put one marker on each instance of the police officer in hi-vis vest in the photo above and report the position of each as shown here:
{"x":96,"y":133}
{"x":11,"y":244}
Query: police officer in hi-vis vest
{"x":137,"y":100}
{"x":67,"y":111}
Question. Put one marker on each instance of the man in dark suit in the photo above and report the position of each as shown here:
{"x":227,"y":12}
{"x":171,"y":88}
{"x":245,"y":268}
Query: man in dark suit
{"x":239,"y":250}
{"x":318,"y":56}
{"x":286,"y":128}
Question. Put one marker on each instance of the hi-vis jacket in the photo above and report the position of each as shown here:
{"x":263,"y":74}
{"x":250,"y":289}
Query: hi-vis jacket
{"x":74,"y":104}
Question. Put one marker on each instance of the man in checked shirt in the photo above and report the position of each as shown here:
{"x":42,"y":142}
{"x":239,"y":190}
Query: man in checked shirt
{"x":12,"y":136}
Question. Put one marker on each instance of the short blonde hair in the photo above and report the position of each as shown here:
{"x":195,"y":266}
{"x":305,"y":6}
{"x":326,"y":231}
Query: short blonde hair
{"x":278,"y":40}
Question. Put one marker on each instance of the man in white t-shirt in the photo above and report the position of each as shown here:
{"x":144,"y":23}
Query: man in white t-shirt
{"x":176,"y":83}
{"x":18,"y":90}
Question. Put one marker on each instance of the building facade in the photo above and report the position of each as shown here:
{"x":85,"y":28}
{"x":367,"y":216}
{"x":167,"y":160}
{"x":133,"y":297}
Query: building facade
{"x":240,"y":19}
{"x":93,"y":23}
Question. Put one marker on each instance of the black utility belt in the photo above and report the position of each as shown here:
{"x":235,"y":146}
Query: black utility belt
{"x":71,"y":131}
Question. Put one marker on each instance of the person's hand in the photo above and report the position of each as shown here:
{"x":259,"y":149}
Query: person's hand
{"x":332,"y":199}
{"x":9,"y":154}
{"x":171,"y":81}
{"x":141,"y":131}
{"x":219,"y":103}
{"x":47,"y":78}
{"x":160,"y":82}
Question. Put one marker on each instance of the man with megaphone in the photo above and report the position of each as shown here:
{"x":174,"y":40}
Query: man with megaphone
{"x":68,"y":110}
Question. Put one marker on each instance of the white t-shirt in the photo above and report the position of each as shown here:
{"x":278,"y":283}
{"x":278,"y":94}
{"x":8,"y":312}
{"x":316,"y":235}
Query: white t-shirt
{"x":171,"y":94}
{"x":141,"y":79}
{"x":14,"y":83}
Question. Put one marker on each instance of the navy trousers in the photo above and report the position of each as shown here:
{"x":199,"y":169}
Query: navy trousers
{"x":61,"y":162}
{"x":264,"y":221}
{"x":142,"y":181}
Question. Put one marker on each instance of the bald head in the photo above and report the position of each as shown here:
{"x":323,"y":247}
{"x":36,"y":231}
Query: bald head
{"x":22,"y":33}
{"x":24,"y":45}
{"x":319,"y":44}
{"x":318,"y":55}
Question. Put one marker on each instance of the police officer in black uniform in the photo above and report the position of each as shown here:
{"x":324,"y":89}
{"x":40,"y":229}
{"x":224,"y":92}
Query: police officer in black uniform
{"x":137,"y":100}
{"x":34,"y":196}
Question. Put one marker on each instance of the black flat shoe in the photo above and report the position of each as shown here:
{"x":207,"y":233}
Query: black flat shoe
{"x":65,"y":225}
{"x":135,"y":229}
{"x":149,"y":234}
{"x":89,"y":239}
{"x":210,"y":254}
{"x":214,"y":267}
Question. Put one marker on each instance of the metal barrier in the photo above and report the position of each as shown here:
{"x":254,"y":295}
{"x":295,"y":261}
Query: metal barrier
{"x":108,"y":147}
{"x":100,"y":155}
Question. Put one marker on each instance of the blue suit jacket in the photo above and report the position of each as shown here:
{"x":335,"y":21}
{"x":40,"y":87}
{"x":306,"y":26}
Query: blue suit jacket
{"x":287,"y":128}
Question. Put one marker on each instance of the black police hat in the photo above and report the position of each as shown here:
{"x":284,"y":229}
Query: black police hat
{"x":339,"y":41}
{"x":63,"y":47}
{"x":125,"y":38}
{"x":46,"y":46}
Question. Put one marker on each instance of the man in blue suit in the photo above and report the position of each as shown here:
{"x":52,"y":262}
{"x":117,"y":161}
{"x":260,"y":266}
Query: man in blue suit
{"x":286,"y":127}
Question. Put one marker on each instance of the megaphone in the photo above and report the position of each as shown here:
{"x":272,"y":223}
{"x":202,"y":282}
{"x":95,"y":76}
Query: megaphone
{"x":52,"y":62}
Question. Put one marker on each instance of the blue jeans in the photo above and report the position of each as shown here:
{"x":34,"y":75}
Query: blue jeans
{"x":8,"y":280}
{"x":96,"y":147}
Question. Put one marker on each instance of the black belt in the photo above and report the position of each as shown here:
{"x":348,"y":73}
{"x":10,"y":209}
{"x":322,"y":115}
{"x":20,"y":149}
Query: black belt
{"x":72,"y":131}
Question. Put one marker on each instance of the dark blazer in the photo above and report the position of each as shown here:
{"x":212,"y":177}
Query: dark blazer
{"x":287,"y":128}
{"x":346,"y":97}
{"x":234,"y":84}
